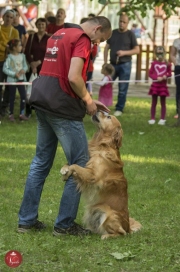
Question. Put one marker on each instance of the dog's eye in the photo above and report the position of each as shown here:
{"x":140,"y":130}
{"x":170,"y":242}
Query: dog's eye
{"x":109,"y":116}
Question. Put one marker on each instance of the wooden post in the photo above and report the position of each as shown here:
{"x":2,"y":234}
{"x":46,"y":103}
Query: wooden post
{"x":147,"y":62}
{"x":139,"y":63}
{"x":154,"y":31}
{"x":163,"y":33}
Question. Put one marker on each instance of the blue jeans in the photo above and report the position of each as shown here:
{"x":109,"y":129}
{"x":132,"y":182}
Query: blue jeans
{"x":123,"y":72}
{"x":72,"y":137}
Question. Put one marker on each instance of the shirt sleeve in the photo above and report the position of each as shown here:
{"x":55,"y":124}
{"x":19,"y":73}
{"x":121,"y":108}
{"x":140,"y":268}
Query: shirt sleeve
{"x":82,"y":48}
{"x":7,"y":68}
{"x":28,"y":47}
{"x":103,"y":82}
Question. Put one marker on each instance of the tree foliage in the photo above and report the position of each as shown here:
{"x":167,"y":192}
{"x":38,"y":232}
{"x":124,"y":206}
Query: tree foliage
{"x":142,"y":6}
{"x":131,"y":6}
{"x":35,"y":2}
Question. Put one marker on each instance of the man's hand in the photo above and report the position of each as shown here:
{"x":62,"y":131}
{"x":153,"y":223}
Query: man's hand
{"x":100,"y":106}
{"x":35,"y":64}
{"x":120,"y":53}
{"x":91,"y":108}
{"x":34,"y":70}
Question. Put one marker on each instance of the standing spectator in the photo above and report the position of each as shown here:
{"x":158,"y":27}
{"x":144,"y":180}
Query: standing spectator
{"x":7,"y":33}
{"x":106,"y":90}
{"x":50,"y":18}
{"x":21,"y":29}
{"x":15,"y":67}
{"x":122,"y":45}
{"x":136,"y":30}
{"x":92,"y":15}
{"x":175,"y":58}
{"x":61,"y":101}
{"x":91,"y":61}
{"x":91,"y":67}
{"x":60,"y":17}
{"x":159,"y":71}
{"x":35,"y":51}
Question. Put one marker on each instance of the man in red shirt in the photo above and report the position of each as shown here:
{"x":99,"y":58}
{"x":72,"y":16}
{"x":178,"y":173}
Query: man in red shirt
{"x":61,"y":101}
{"x":60,"y":17}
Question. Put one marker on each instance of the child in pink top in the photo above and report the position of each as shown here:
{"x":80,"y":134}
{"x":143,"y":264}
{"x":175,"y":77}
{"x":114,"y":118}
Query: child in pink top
{"x":106,"y":90}
{"x":159,"y":71}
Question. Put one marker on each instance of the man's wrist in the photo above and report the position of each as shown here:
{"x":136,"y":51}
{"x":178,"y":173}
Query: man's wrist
{"x":87,"y":98}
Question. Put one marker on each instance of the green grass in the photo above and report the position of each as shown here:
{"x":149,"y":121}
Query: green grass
{"x":152,"y":168}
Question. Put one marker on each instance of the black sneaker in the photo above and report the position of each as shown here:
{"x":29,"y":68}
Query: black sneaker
{"x":76,"y":230}
{"x":38,"y":226}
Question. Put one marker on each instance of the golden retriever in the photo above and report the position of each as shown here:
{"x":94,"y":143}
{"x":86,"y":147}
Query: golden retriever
{"x":102,"y":181}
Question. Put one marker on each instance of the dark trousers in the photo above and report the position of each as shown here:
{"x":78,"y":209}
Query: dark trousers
{"x":123,"y":72}
{"x":177,"y":81}
{"x":4,"y":97}
{"x":12,"y":95}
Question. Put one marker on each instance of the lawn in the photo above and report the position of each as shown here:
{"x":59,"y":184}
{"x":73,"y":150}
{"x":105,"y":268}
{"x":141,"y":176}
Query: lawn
{"x":152,"y":168}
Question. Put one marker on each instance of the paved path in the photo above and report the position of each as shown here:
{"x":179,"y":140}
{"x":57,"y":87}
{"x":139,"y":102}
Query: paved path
{"x":135,"y":89}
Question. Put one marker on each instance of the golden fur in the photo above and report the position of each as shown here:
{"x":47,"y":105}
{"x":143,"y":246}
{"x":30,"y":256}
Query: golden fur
{"x":102,"y":181}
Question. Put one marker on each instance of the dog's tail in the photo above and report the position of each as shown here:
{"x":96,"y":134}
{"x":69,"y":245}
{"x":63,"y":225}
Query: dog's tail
{"x":134,"y":225}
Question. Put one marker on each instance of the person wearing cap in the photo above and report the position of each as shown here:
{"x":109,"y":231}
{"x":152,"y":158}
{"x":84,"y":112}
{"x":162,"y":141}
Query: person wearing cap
{"x":175,"y":59}
{"x":7,"y":33}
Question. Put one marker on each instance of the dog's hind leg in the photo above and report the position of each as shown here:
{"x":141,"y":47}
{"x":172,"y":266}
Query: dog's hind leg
{"x":103,"y":220}
{"x":106,"y":236}
{"x":134,"y":225}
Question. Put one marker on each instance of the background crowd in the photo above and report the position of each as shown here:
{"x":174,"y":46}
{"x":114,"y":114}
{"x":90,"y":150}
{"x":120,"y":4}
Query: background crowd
{"x":122,"y":45}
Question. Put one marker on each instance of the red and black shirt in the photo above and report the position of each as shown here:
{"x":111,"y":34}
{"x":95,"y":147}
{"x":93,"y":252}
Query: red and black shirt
{"x":52,"y":92}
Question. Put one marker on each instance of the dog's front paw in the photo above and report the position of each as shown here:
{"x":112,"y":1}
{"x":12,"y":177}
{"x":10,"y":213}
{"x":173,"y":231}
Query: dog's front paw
{"x":65,"y":172}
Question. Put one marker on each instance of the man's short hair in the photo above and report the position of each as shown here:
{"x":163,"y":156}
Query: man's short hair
{"x":61,"y":9}
{"x":101,"y":20}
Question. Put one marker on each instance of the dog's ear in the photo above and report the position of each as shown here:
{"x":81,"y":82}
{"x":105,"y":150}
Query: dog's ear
{"x":117,"y":137}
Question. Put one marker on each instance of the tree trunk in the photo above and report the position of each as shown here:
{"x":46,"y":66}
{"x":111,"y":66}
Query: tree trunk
{"x":141,"y":22}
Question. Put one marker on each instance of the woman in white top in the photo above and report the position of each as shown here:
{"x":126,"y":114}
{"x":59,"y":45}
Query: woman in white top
{"x":175,"y":58}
